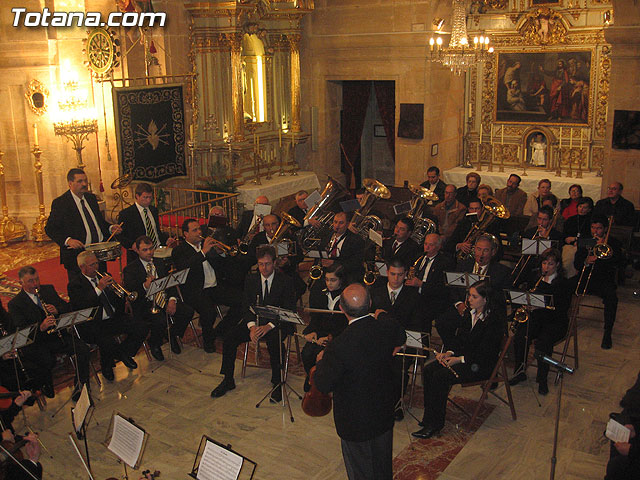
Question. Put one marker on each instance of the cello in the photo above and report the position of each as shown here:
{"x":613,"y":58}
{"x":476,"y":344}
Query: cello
{"x":315,"y":403}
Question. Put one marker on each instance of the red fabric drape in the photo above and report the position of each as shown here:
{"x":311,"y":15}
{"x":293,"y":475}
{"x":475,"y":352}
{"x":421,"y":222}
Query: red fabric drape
{"x":386,"y":97}
{"x":355,"y":99}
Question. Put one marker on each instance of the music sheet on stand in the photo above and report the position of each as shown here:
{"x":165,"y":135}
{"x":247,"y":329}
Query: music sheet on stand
{"x":80,"y":410}
{"x":126,"y":441}
{"x":218,"y":463}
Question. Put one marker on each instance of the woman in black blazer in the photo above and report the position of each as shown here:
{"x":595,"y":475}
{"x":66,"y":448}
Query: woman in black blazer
{"x":472,"y":354}
{"x":545,"y":326}
{"x":323,"y":324}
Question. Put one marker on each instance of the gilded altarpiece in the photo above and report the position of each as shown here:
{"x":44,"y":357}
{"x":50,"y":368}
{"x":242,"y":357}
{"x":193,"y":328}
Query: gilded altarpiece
{"x":499,"y":120}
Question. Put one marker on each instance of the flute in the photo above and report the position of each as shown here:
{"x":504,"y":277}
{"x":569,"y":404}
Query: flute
{"x":321,"y":310}
{"x":424,"y":356}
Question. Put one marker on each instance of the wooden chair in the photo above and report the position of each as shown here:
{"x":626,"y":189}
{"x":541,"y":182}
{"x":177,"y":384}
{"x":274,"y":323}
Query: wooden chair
{"x":499,"y":375}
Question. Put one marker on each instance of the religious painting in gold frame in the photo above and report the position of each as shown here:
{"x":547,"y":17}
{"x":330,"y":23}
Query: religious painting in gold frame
{"x":549,"y":88}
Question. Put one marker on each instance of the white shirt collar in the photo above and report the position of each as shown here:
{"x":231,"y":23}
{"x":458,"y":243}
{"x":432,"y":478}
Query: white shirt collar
{"x":76,"y":197}
{"x":550,"y":278}
{"x":356,"y":319}
{"x":269,"y":279}
{"x":141,"y":209}
{"x":396,"y":291}
{"x":196,"y":247}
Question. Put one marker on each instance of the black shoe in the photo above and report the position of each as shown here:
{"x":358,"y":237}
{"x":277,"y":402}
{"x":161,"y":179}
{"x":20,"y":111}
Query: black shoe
{"x":543,"y":388}
{"x":107,"y":373}
{"x":157,"y":353}
{"x":521,"y":377}
{"x":47,"y":389}
{"x":276,"y":395}
{"x":210,"y":347}
{"x":175,"y":345}
{"x":398,"y":415}
{"x":129,"y":362}
{"x":426,"y":432}
{"x":223,"y":388}
{"x":606,"y":341}
{"x":307,"y":385}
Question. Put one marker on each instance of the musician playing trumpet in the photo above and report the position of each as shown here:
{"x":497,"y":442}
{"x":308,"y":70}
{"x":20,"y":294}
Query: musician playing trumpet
{"x":138,"y":276}
{"x":603,"y":281}
{"x":545,"y":326}
{"x":323,"y":325}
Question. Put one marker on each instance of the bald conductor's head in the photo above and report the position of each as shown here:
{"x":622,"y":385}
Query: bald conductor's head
{"x":355,"y":301}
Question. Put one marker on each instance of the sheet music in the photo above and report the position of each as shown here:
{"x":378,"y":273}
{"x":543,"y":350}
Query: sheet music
{"x":414,"y":339}
{"x":382,"y":268}
{"x":401,"y":208}
{"x":312,"y":199}
{"x":282,"y":249}
{"x":459,"y":279}
{"x":22,"y":337}
{"x":6,"y":344}
{"x":535,"y":247}
{"x":317,"y":254}
{"x":375,"y":237}
{"x":218,"y":463}
{"x":126,"y":441}
{"x":616,"y":432}
{"x":81,"y":409}
{"x":260,"y":209}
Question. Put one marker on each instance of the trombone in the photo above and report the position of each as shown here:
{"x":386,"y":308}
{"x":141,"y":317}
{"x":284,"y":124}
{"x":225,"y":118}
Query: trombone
{"x":119,"y":290}
{"x":602,"y":251}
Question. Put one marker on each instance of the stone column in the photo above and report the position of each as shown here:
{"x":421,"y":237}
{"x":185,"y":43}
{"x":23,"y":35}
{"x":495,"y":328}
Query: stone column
{"x":294,"y":50}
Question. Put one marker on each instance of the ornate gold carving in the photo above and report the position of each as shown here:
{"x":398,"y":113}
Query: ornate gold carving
{"x":514,"y":17}
{"x":597,"y":158}
{"x":543,"y":26}
{"x":473,"y":90}
{"x":487,"y":100}
{"x":495,"y":4}
{"x":602,"y":99}
{"x":294,"y":44}
{"x":37,"y":97}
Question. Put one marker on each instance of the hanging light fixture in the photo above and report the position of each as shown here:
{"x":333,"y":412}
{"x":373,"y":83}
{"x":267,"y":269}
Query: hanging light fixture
{"x":459,"y":56}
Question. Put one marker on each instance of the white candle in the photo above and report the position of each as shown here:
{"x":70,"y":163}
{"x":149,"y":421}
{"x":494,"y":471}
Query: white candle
{"x":470,"y":109}
{"x":580,"y":138}
{"x":35,"y":134}
{"x":571,"y":138}
{"x":491,"y":134}
{"x":560,"y":139}
{"x":191,"y":132}
{"x":280,"y":137}
{"x":502,"y":138}
{"x":481,"y":133}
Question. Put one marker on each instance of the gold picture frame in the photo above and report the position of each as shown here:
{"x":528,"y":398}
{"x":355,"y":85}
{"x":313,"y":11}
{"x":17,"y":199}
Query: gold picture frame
{"x":37,"y":97}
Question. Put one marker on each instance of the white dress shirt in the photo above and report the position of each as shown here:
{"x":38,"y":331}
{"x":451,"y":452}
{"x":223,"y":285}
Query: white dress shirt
{"x":269,"y":281}
{"x":87,"y":239}
{"x":210,"y":280}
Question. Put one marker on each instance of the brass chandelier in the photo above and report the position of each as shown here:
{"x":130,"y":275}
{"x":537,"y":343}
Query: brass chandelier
{"x":459,"y":56}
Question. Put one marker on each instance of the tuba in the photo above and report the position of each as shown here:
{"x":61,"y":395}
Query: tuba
{"x":362,"y":221}
{"x":422,"y":225}
{"x":287,"y":222}
{"x":493,"y":209}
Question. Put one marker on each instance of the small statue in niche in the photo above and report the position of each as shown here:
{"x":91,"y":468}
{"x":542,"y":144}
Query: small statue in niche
{"x":544,"y":23}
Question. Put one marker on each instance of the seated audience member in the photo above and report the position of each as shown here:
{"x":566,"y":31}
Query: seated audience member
{"x":512,"y":196}
{"x":615,"y":204}
{"x":534,"y":201}
{"x":472,"y":353}
{"x":470,"y":191}
{"x":323,"y":327}
{"x":88,"y":290}
{"x":569,"y":206}
{"x":435,"y":184}
{"x":624,"y":459}
{"x":141,"y":218}
{"x":484,"y":192}
{"x":449,"y":212}
{"x":576,"y":227}
{"x":39,"y":305}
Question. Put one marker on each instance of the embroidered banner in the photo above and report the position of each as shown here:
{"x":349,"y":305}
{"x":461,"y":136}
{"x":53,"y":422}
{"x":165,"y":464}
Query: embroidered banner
{"x":150,"y":131}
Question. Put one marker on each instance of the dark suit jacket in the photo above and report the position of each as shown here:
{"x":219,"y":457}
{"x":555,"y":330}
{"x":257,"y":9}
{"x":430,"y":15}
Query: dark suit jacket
{"x":435,"y":294}
{"x":135,"y":275}
{"x":604,"y":270}
{"x":185,"y":256}
{"x":358,"y":368}
{"x":324,"y":323}
{"x":407,"y":310}
{"x":133,"y":226}
{"x":65,"y":221}
{"x":24,"y":312}
{"x":499,"y":279}
{"x":282,"y":294}
{"x":461,"y":231}
{"x":577,"y":224}
{"x":245,"y":223}
{"x":553,"y":235}
{"x":623,"y":211}
{"x":297,"y":213}
{"x":439,"y":190}
{"x":351,"y":254}
{"x":408,"y":251}
{"x":83,"y":295}
{"x":480,"y":346}
{"x":5,"y":319}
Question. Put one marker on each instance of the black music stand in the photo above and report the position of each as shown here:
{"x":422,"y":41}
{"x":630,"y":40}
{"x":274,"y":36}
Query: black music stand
{"x":282,"y":315}
{"x":126,"y":440}
{"x":463,"y":279}
{"x":80,"y":416}
{"x":416,"y":341}
{"x":216,"y":461}
{"x":14,"y":342}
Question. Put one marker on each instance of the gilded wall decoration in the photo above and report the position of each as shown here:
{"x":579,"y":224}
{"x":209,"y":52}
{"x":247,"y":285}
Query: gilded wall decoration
{"x":603,"y":92}
{"x":543,"y":26}
{"x":492,"y":4}
{"x":543,"y":88}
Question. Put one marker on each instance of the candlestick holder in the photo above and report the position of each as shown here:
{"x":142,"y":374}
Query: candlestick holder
{"x":281,"y":154}
{"x":268,"y":163}
{"x":580,"y":157}
{"x":295,"y":167}
{"x":492,"y":157}
{"x":559,"y":161}
{"x":571,"y":155}
{"x":37,"y":231}
{"x":256,"y":168}
{"x":10,"y":228}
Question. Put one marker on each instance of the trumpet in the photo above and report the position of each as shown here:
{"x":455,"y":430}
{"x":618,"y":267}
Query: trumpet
{"x":232,"y":251}
{"x":315,"y":272}
{"x":119,"y":290}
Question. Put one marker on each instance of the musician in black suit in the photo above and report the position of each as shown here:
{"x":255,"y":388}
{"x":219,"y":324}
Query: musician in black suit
{"x":429,"y":279}
{"x":323,"y":327}
{"x":138,"y":276}
{"x":358,"y":368}
{"x":248,"y":218}
{"x":472,"y":353}
{"x":38,"y":305}
{"x":603,"y":277}
{"x":544,"y":326}
{"x":86,"y":290}
{"x":141,"y":218}
{"x":266,"y":287}
{"x":435,"y":184}
{"x":401,"y":245}
{"x":544,"y":229}
{"x":202,"y":289}
{"x":344,"y":247}
{"x":393,"y":299}
{"x":482,"y":263}
{"x":300,"y":209}
{"x":76,"y":221}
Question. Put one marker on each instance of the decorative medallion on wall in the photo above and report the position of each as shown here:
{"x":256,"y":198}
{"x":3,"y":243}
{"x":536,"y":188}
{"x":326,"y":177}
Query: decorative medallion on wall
{"x":150,"y":131}
{"x":101,"y":49}
{"x":543,"y":26}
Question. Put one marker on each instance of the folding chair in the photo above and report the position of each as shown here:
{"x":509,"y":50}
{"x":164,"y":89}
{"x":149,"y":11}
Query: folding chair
{"x":499,"y":375}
